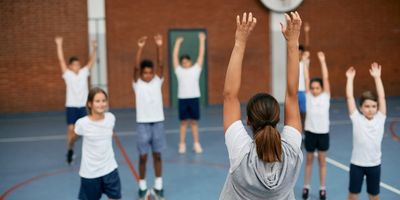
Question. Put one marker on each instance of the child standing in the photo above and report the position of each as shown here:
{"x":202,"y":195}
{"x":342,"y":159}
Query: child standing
{"x":316,"y":123}
{"x":98,"y":171}
{"x":188,"y":76}
{"x":149,"y":116}
{"x":76,"y":81}
{"x":368,"y":129}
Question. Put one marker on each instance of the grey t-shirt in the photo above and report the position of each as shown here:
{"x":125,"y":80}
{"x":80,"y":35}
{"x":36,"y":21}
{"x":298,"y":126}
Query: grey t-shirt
{"x":253,"y":179}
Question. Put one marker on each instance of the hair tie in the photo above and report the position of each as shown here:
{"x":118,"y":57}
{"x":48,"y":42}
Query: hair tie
{"x":268,"y":123}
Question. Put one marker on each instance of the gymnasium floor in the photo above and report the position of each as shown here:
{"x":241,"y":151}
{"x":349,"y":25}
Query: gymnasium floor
{"x":32,"y":157}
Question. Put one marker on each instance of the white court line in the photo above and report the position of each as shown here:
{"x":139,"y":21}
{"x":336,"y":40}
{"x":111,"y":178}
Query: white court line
{"x":347,"y":169}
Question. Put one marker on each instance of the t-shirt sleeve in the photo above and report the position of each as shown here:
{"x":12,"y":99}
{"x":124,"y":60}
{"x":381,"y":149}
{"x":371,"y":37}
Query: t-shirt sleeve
{"x":197,"y":67}
{"x":381,"y":117}
{"x":291,"y":136}
{"x":355,"y":115}
{"x":238,"y":142}
{"x":78,"y":127}
{"x":85,"y":71}
{"x":66,"y":74}
{"x":178,"y":70}
{"x":111,"y":118}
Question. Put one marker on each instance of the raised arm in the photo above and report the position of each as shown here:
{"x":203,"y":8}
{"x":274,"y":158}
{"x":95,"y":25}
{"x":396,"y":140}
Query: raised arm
{"x":234,"y":71}
{"x":136,"y":70}
{"x":291,"y":32}
{"x":351,"y":103}
{"x":60,"y":53}
{"x":92,"y":57}
{"x":202,"y":47}
{"x":375,"y":72}
{"x":160,"y":64}
{"x":307,"y":35}
{"x":177,"y":47}
{"x":324,"y":70}
{"x":306,"y":60}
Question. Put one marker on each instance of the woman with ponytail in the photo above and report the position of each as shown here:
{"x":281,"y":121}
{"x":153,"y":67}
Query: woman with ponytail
{"x":267,"y":165}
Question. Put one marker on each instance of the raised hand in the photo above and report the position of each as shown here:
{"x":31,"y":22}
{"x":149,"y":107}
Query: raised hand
{"x":244,"y":27}
{"x":351,"y":73}
{"x":58,"y":40}
{"x":305,"y":56}
{"x":142,"y":41}
{"x":291,"y":31}
{"x":307,"y":27}
{"x":158,"y":40}
{"x":375,"y":70}
{"x":202,"y":36}
{"x":321,"y":56}
{"x":179,"y":39}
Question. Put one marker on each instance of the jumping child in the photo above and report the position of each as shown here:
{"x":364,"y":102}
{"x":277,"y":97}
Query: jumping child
{"x":76,"y":81}
{"x":188,"y":76}
{"x":368,"y":129}
{"x":149,"y":116}
{"x":98,"y":171}
{"x":267,"y":165}
{"x":316,"y":123}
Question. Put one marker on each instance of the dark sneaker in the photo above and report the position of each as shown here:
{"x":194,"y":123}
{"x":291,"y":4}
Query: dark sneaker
{"x":305,"y":193}
{"x":322,"y":194}
{"x":158,"y":194}
{"x":143,"y":194}
{"x":70,"y":156}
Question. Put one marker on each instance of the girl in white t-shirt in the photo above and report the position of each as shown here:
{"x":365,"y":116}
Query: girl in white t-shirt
{"x":267,"y":165}
{"x":368,"y":129}
{"x":316,"y":123}
{"x":98,"y":171}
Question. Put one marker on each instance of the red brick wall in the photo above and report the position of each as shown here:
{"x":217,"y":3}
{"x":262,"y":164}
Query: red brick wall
{"x":30,"y":77}
{"x":127,"y":21}
{"x":355,"y":33}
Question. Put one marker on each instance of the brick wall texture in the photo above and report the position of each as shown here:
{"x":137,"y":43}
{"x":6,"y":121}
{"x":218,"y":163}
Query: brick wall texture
{"x":350,"y":32}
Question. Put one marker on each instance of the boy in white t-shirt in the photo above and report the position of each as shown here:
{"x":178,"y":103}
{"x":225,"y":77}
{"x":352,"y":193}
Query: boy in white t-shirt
{"x":188,"y":76}
{"x":147,"y":87}
{"x":76,"y":81}
{"x":316,"y":123}
{"x":99,"y":169}
{"x":368,"y":129}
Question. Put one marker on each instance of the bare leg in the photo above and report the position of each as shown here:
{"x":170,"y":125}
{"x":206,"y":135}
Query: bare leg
{"x":157,"y":164}
{"x":373,"y":197}
{"x":322,"y":168}
{"x":308,"y":168}
{"x":71,"y":137}
{"x":142,"y":166}
{"x":195,"y":131}
{"x":182,"y":131}
{"x":353,"y":196}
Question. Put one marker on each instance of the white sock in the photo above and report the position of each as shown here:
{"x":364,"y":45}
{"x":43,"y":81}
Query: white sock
{"x":142,"y":184}
{"x":322,"y":188}
{"x":158,"y":183}
{"x":307,"y":186}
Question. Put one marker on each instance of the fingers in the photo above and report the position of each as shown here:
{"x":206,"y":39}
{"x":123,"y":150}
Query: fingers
{"x":244,"y":18}
{"x":253,"y":24}
{"x":237,"y":20}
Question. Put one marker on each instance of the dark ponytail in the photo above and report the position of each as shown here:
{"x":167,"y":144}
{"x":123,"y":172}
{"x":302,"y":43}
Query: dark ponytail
{"x":263,"y":116}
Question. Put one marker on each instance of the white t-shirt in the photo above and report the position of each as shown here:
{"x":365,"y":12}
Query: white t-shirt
{"x":97,"y":151}
{"x":302,"y":84}
{"x":188,"y":81}
{"x":317,"y":118}
{"x":149,"y":104}
{"x":238,"y":142}
{"x":77,"y":87}
{"x":367,"y":139}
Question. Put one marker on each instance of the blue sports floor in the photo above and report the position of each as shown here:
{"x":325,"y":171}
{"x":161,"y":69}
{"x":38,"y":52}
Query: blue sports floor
{"x":33,"y":147}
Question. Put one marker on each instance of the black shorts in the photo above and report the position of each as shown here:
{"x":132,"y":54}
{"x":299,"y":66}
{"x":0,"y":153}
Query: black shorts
{"x":314,"y":141}
{"x":373,"y":177}
{"x":189,"y":109}
{"x":93,"y":188}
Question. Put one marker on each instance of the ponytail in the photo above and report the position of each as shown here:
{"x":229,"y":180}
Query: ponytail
{"x":268,"y":144}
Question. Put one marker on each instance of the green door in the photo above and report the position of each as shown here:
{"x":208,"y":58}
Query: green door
{"x":189,"y":46}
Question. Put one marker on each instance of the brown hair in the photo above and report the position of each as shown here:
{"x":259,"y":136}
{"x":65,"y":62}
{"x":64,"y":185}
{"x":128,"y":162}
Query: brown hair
{"x":263,"y":115}
{"x":367,"y":95}
{"x":92,"y":93}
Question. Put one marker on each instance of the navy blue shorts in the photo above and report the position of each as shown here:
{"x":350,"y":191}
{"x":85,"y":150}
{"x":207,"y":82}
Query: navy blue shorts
{"x":74,"y":113}
{"x":301,"y":95}
{"x":373,"y":175}
{"x":189,"y":109}
{"x":315,"y":141}
{"x":93,"y":188}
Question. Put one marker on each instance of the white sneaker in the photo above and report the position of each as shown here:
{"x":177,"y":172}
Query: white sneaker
{"x":182,"y":148}
{"x":197,"y":148}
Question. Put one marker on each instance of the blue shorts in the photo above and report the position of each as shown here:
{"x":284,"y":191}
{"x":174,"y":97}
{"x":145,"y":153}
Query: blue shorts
{"x":189,"y":109}
{"x":74,"y":113}
{"x":93,"y":188}
{"x":150,"y":135}
{"x":373,"y":175}
{"x":301,"y":95}
{"x":314,"y":141}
